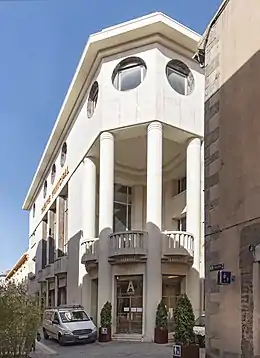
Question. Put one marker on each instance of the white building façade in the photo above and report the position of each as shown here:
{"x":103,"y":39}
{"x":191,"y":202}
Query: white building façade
{"x":115,"y":205}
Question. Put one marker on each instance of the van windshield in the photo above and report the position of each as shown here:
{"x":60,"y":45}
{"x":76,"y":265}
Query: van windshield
{"x":73,"y":316}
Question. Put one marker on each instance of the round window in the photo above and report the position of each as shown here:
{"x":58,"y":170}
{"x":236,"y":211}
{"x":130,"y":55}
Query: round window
{"x":63,"y":154}
{"x":45,"y":189}
{"x":92,"y":99}
{"x":129,"y":74}
{"x":180,"y":77}
{"x":53,"y":173}
{"x":33,"y":210}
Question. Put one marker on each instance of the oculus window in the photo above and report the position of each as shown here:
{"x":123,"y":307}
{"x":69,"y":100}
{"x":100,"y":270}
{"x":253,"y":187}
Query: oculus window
{"x":63,"y":154}
{"x":129,"y":74}
{"x":180,"y":77}
{"x":92,"y":99}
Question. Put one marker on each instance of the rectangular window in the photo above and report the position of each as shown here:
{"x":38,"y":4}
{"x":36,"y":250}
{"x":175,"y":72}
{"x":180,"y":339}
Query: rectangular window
{"x":182,"y":224}
{"x":122,"y":208}
{"x":181,"y":185}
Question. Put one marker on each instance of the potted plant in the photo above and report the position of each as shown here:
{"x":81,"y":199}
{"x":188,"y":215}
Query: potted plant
{"x":105,"y":322}
{"x":161,"y":324}
{"x":184,"y":336}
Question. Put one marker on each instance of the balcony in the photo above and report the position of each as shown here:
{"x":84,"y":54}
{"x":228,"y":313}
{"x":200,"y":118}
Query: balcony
{"x":90,"y":257}
{"x":61,"y":265}
{"x":48,"y":271}
{"x":129,"y":246}
{"x":177,"y":246}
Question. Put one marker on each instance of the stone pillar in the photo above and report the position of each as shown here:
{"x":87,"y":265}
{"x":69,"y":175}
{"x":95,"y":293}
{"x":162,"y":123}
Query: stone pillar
{"x":154,"y":224}
{"x":193,"y":200}
{"x":106,"y":205}
{"x":89,"y":199}
{"x":50,"y":237}
{"x":60,"y":203}
{"x":89,"y":225}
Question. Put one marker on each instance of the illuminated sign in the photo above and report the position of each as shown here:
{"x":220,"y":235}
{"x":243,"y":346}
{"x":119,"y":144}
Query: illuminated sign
{"x":55,"y":189}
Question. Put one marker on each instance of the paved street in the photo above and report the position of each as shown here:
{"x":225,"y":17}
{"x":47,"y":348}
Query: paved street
{"x":105,"y":350}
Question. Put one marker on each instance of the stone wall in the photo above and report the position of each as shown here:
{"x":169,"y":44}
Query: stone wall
{"x":232,"y":177}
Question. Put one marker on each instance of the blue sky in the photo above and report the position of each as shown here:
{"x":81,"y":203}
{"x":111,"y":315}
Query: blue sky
{"x":40,"y":45}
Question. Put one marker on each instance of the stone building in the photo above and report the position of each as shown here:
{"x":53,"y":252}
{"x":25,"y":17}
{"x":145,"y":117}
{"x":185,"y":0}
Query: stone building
{"x":116,"y":202}
{"x":229,"y":51}
{"x":19,"y":272}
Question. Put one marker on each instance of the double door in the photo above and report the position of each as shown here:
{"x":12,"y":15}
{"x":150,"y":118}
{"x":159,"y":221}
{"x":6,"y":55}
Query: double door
{"x":129,"y":305}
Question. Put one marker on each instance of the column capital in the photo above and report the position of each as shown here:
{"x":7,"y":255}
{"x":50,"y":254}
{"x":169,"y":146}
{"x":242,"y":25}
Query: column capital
{"x":154,"y":125}
{"x":193,"y":141}
{"x":106,"y":135}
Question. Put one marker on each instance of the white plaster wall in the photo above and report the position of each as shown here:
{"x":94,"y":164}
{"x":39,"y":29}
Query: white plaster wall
{"x":153,"y":99}
{"x":185,"y":112}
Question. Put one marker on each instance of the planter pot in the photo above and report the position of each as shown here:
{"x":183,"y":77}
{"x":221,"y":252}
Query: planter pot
{"x":160,"y":336}
{"x":192,"y":351}
{"x":104,"y":334}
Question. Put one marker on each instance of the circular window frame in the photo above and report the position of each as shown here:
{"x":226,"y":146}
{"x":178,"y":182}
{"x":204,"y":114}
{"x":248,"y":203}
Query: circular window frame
{"x":53,"y":173}
{"x":33,"y":210}
{"x":92,"y":99}
{"x":63,"y":154}
{"x":45,"y":187}
{"x":126,"y":63}
{"x":180,"y":67}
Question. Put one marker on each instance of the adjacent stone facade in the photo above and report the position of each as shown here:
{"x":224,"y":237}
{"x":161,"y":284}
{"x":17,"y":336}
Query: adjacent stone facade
{"x":232,"y":177}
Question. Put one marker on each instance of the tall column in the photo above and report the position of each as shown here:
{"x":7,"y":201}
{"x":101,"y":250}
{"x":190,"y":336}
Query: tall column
{"x":59,"y":226}
{"x":106,"y":204}
{"x":154,"y":224}
{"x":193,"y":199}
{"x":50,"y":238}
{"x":89,"y":225}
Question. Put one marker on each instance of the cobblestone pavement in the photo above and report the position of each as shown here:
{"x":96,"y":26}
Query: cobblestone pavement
{"x":104,"y":350}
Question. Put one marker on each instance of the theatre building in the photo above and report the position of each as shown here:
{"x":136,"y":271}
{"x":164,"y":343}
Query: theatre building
{"x":116,"y":201}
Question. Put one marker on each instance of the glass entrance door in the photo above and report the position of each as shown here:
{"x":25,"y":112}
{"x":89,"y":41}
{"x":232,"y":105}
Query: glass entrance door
{"x":129,"y":304}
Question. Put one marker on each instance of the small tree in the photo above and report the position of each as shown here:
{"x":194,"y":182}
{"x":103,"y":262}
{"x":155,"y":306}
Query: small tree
{"x":106,"y":315}
{"x":161,"y":320}
{"x":20,"y":318}
{"x":184,"y":321}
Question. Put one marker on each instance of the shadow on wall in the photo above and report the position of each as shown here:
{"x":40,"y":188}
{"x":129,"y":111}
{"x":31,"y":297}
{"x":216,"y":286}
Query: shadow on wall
{"x":232,"y":148}
{"x":74,"y":265}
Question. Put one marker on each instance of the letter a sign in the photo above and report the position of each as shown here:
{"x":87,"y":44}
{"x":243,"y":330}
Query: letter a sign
{"x":130,"y":288}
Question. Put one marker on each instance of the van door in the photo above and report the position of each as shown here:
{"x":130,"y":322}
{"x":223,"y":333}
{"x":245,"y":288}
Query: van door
{"x":56,"y":325}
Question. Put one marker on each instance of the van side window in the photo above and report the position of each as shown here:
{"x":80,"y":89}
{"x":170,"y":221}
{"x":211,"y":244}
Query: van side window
{"x":56,"y":317}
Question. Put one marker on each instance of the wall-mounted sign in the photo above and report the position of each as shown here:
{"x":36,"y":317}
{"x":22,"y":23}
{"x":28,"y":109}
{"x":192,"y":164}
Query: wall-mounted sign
{"x":216,"y":267}
{"x":224,"y":277}
{"x":55,"y":189}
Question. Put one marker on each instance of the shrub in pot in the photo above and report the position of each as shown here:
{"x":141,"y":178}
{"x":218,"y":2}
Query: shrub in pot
{"x":105,"y":323}
{"x":161,"y":324}
{"x":184,"y":322}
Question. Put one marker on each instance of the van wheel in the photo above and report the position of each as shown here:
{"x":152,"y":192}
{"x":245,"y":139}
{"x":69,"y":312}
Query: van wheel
{"x":45,"y":335}
{"x":60,"y":340}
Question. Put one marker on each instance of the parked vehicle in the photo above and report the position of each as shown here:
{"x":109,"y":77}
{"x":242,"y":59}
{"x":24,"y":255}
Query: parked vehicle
{"x":199,"y":330}
{"x":69,"y":324}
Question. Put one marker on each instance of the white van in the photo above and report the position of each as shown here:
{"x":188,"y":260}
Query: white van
{"x":69,"y":324}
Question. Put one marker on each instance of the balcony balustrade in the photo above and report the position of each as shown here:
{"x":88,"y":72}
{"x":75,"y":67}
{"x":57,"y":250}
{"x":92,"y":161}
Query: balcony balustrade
{"x":61,"y":265}
{"x":177,"y":246}
{"x":90,"y":256}
{"x":128,"y":246}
